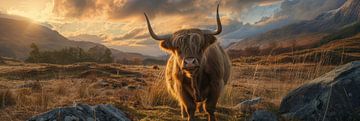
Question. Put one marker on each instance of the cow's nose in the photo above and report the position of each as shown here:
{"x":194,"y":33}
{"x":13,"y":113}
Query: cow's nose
{"x":191,"y":62}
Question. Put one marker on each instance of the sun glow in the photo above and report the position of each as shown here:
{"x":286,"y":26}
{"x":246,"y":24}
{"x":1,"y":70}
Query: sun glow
{"x":36,"y":12}
{"x":30,"y":15}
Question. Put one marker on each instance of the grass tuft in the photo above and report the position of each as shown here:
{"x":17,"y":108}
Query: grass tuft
{"x":157,"y":95}
{"x":7,"y":98}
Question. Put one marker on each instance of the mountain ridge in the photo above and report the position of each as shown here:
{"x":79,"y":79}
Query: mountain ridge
{"x":16,"y":36}
{"x":305,"y":34}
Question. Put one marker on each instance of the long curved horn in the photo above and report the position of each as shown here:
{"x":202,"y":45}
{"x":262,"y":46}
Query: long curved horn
{"x":219,"y":26}
{"x":152,"y":33}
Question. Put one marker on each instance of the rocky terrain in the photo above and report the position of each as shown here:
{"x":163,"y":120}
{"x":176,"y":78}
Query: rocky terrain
{"x":331,"y":97}
{"x":83,"y":112}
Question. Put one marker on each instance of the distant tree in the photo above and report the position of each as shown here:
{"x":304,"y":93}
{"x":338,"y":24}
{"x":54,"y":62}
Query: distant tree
{"x":124,"y":61}
{"x":34,"y":54}
{"x":101,"y":54}
{"x":137,"y":61}
{"x":70,"y":55}
{"x":107,"y":56}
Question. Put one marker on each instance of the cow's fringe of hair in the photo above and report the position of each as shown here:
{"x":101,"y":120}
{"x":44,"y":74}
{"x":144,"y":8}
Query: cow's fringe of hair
{"x":189,"y":41}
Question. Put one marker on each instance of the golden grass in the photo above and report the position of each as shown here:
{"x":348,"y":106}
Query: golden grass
{"x":7,"y":98}
{"x":157,"y":94}
{"x":269,"y":77}
{"x":61,"y":89}
{"x":271,"y":82}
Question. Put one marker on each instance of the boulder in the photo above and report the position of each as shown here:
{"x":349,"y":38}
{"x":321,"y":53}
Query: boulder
{"x":247,"y":104}
{"x":262,"y":115}
{"x":83,"y":112}
{"x":334,"y":96}
{"x":156,"y":67}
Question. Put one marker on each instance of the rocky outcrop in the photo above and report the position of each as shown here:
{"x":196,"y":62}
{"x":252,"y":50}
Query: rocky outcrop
{"x":335,"y":96}
{"x":348,"y":13}
{"x":262,"y":115}
{"x":83,"y":112}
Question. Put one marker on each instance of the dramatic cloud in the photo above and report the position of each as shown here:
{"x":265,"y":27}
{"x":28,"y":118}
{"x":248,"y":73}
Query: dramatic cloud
{"x":269,"y":20}
{"x":120,"y":9}
{"x":76,"y":8}
{"x":147,"y":42}
{"x":48,"y":25}
{"x":131,"y":34}
{"x":269,"y":2}
{"x":167,"y":16}
{"x":290,"y":11}
{"x":125,"y":24}
{"x":307,"y":9}
{"x":124,"y":9}
{"x":87,"y":37}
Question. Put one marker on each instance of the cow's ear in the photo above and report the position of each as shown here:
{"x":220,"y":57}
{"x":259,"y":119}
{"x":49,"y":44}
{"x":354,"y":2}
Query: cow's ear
{"x":210,"y":39}
{"x":166,"y":45}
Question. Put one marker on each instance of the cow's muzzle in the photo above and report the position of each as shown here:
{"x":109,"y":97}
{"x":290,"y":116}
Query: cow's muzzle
{"x":191,"y":64}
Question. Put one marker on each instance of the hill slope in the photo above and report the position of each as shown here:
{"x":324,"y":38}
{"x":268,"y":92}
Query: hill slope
{"x":16,"y":36}
{"x":335,"y":52}
{"x":301,"y":35}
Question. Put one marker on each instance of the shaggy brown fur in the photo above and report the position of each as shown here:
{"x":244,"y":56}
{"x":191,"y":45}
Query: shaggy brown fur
{"x":203,"y":87}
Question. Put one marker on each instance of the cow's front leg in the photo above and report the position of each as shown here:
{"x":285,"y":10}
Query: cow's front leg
{"x":190,"y":110}
{"x":210,"y":107}
{"x":199,"y":107}
{"x":188,"y":104}
{"x":190,"y":107}
{"x":212,"y":99}
{"x":183,"y":111}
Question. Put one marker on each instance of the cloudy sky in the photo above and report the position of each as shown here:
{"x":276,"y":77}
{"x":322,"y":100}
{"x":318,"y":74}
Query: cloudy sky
{"x":120,"y":24}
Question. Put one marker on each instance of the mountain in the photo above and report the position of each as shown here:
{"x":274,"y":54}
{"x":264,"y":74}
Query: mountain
{"x":16,"y":36}
{"x":302,"y":35}
{"x":248,"y":30}
{"x":335,"y":52}
{"x":119,"y":55}
{"x":87,"y":37}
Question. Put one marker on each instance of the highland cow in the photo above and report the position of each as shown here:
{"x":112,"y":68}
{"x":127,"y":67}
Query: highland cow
{"x":197,"y":69}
